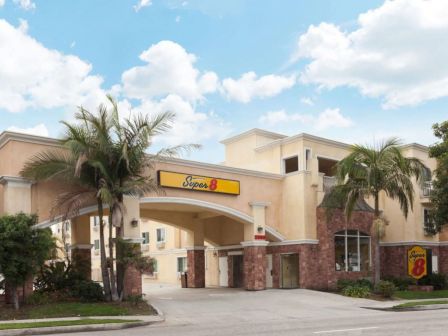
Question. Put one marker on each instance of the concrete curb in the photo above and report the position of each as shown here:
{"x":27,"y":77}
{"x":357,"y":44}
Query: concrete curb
{"x":84,"y":328}
{"x":410,"y":309}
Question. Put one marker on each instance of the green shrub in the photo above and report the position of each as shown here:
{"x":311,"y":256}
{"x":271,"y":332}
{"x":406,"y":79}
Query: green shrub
{"x":385,"y":288}
{"x":344,"y":283}
{"x":439,"y":281}
{"x":401,"y":283}
{"x":88,"y":291}
{"x":356,"y":291}
{"x":135,"y":299}
{"x":38,"y":298}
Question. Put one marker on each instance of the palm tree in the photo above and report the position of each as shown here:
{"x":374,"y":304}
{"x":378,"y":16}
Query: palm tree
{"x":79,"y":164}
{"x":369,"y":171}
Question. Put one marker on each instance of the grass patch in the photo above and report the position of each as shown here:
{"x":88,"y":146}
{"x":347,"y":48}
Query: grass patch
{"x":421,"y":303}
{"x":26,"y":325}
{"x":75,"y":309}
{"x":413,"y":295}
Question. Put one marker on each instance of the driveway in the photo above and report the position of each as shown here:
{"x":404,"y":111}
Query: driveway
{"x":215,"y":312}
{"x":282,"y":312}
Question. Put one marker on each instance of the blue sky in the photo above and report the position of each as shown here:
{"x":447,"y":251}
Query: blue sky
{"x":349,"y":70}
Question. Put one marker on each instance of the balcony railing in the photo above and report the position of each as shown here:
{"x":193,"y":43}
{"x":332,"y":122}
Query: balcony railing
{"x":426,"y":189}
{"x":329,"y":183}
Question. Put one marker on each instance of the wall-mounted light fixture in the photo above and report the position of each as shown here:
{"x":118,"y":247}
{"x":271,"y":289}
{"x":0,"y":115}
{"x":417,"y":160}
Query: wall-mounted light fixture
{"x":134,"y":222}
{"x":260,"y":229}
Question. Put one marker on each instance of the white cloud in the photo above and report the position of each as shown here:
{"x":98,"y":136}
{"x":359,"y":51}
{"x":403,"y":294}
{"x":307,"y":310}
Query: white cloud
{"x":141,"y":4}
{"x":25,"y":4}
{"x":39,"y":129}
{"x":272,"y":118}
{"x":307,"y":101}
{"x":169,"y":70}
{"x":398,"y":53}
{"x":190,"y":126}
{"x":332,"y":118}
{"x":2,"y":3}
{"x":248,"y":86}
{"x":177,"y":19}
{"x":37,"y":77}
{"x":23,"y":26}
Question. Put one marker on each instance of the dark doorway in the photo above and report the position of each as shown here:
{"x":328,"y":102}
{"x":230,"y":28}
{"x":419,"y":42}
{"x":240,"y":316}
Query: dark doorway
{"x":290,"y":270}
{"x":238,"y":271}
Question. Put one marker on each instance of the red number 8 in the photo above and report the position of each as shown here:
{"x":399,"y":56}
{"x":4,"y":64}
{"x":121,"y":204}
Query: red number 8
{"x":213,"y":184}
{"x":419,"y":267}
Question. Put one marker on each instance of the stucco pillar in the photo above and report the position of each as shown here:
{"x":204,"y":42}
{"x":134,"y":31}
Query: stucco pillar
{"x":16,"y":195}
{"x":16,"y":198}
{"x":254,"y":264}
{"x":196,"y":256}
{"x":132,"y":281}
{"x":256,"y":230}
{"x":81,"y":246}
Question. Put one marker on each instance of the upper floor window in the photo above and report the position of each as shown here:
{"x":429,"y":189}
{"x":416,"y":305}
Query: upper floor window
{"x":145,"y":236}
{"x":291,"y":164}
{"x":160,"y":235}
{"x":307,"y":159}
{"x":96,"y":244}
{"x":181,"y":264}
{"x":352,"y":251}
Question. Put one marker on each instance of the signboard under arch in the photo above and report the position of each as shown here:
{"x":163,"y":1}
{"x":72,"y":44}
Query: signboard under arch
{"x":417,"y":262}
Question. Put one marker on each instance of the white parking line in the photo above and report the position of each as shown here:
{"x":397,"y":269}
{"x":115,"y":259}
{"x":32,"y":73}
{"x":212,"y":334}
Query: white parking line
{"x":343,"y":330}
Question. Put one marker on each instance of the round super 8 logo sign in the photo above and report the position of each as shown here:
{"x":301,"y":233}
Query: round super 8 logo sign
{"x":417,"y":262}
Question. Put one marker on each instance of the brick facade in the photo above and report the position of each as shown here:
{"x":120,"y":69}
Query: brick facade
{"x":22,"y":291}
{"x":196,"y":268}
{"x":254,"y":262}
{"x":132,"y":283}
{"x":82,"y":261}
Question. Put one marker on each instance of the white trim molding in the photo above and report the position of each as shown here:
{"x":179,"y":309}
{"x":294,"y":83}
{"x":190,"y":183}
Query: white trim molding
{"x":295,"y":242}
{"x":260,"y":204}
{"x":223,"y":248}
{"x":202,"y":204}
{"x":15,"y":180}
{"x":250,"y":243}
{"x":416,"y":242}
{"x":273,"y":232}
{"x":132,"y":240}
{"x":7,"y":136}
{"x":195,"y":248}
{"x":234,"y":253}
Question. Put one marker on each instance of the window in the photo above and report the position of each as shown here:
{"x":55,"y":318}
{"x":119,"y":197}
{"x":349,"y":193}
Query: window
{"x":97,"y":244}
{"x":67,"y":226}
{"x":155,"y":267}
{"x":160,"y":235}
{"x":428,"y":223}
{"x":352,"y":251}
{"x":145,"y":236}
{"x":96,"y":221}
{"x":181,"y":264}
{"x":291,"y":164}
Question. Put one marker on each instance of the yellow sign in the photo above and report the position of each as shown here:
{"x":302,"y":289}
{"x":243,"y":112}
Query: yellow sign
{"x":417,"y":262}
{"x":198,"y":183}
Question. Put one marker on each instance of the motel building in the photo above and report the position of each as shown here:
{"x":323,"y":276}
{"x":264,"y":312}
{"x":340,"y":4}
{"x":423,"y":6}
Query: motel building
{"x":256,"y":221}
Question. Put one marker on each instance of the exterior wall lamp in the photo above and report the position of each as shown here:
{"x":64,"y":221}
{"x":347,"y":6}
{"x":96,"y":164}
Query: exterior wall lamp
{"x":134,"y":222}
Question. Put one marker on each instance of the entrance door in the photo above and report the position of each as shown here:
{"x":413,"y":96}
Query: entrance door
{"x":269,"y":271}
{"x":290,"y":270}
{"x":223,"y":269}
{"x":238,"y":271}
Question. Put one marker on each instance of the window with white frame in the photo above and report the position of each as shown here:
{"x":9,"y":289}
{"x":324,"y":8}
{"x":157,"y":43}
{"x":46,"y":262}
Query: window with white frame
{"x":145,"y":236}
{"x":352,"y":251}
{"x":307,"y":159}
{"x":291,"y":164}
{"x":96,"y":244}
{"x":160,"y":235}
{"x":181,"y":264}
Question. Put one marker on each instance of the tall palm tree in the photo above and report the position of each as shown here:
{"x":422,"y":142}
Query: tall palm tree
{"x":369,"y":171}
{"x":79,"y":163}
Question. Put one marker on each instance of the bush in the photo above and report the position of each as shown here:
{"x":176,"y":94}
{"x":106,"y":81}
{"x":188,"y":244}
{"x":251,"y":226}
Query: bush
{"x":344,"y":283}
{"x":385,"y":288}
{"x":135,"y":299}
{"x":88,"y":291}
{"x":439,"y":281}
{"x":356,"y":291}
{"x":38,"y":298}
{"x":400,"y":283}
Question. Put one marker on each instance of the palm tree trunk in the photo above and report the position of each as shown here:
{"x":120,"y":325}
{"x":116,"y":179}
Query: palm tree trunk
{"x":113,"y":282}
{"x":377,"y":277}
{"x":104,"y":272}
{"x":120,"y":267}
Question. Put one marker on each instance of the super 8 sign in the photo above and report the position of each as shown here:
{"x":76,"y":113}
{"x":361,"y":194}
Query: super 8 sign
{"x":417,"y":262}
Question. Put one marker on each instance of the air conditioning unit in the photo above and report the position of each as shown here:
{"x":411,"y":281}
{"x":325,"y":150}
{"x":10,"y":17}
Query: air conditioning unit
{"x":96,"y":252}
{"x":161,"y":245}
{"x":145,"y":247}
{"x":95,"y":228}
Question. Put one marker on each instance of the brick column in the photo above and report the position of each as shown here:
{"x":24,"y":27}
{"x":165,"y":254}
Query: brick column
{"x":255,"y":264}
{"x":196,"y":267}
{"x":81,"y":257}
{"x":132,"y":284}
{"x":23,"y":292}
